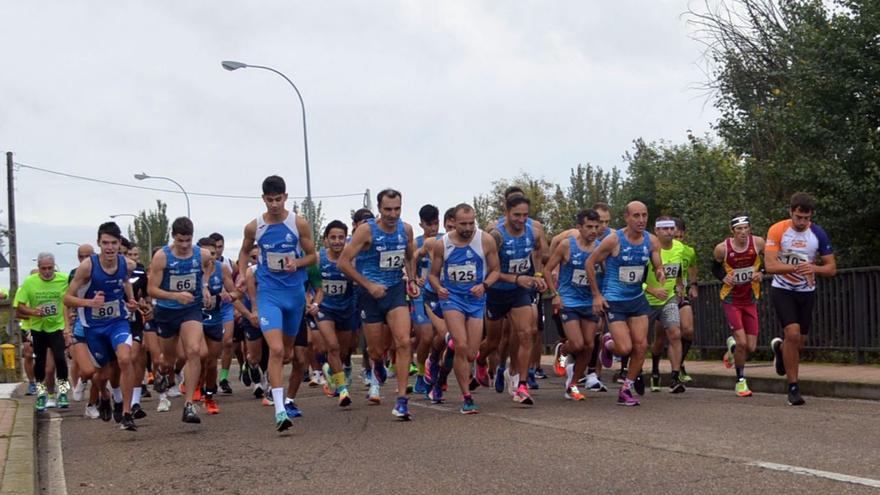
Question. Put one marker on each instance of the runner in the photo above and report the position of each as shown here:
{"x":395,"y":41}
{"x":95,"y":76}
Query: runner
{"x":286,"y":245}
{"x":102,"y":292}
{"x":463,"y":265}
{"x":793,"y":247}
{"x":622,"y":299}
{"x":177,"y":281}
{"x":228,"y":316}
{"x":737,"y":265}
{"x":429,"y":221}
{"x":385,"y":249}
{"x":137,"y":322}
{"x":687,"y":293}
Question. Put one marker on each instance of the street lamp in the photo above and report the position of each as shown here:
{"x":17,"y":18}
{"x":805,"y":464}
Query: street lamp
{"x":61,"y":243}
{"x":143,"y":175}
{"x":146,"y":227}
{"x":232,"y":65}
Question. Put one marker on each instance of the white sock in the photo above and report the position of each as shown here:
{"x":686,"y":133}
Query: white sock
{"x":163,"y":396}
{"x":117,"y":395}
{"x":569,"y":375}
{"x":278,"y":398}
{"x":514,"y":381}
{"x":136,"y":396}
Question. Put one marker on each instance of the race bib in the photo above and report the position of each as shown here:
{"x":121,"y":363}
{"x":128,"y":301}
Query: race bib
{"x":743,"y":276}
{"x":275,"y":261}
{"x":520,"y":266}
{"x":110,"y":309}
{"x":461,"y":273}
{"x":335,"y":287}
{"x":631,"y":274}
{"x":671,"y":271}
{"x":391,"y":260}
{"x":182,"y":283}
{"x":579,"y":278}
{"x":49,"y":309}
{"x":793,"y":258}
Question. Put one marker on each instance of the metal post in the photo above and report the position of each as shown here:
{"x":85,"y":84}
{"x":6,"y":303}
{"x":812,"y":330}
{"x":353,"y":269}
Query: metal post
{"x":13,"y":256}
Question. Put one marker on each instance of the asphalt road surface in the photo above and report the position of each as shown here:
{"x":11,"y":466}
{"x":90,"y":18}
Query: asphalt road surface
{"x":703,"y":441}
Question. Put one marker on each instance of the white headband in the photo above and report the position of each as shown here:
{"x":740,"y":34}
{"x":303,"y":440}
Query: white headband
{"x":664,"y":224}
{"x":737,"y":221}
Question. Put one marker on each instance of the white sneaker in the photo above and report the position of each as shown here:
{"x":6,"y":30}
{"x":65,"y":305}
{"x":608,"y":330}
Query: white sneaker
{"x":79,"y":390}
{"x":91,"y":412}
{"x":51,"y":402}
{"x":508,"y":383}
{"x":173,"y":392}
{"x":592,"y":380}
{"x":164,"y":405}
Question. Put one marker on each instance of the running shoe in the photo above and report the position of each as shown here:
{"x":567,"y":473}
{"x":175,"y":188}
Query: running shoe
{"x":244,"y":375}
{"x":482,"y":374}
{"x":189,"y":414}
{"x":268,"y":400}
{"x":468,"y":406}
{"x":778,"y":362}
{"x":164,"y":405}
{"x":174,"y":392}
{"x":63,"y":403}
{"x":794,"y":398}
{"x":211,"y":406}
{"x":655,"y":383}
{"x":331,"y":383}
{"x":137,"y":412}
{"x":572,"y":393}
{"x":676,"y":387}
{"x":559,"y":360}
{"x":684,"y":377}
{"x":625,"y":398}
{"x":31,"y":389}
{"x":742,"y":388}
{"x":127,"y":423}
{"x":344,"y":397}
{"x":79,"y":390}
{"x":540,"y":374}
{"x":42,"y":398}
{"x":380,"y":372}
{"x":508,"y":383}
{"x":522,"y":395}
{"x":499,"y":379}
{"x":530,"y":380}
{"x":291,"y":410}
{"x":145,"y":392}
{"x":51,"y":402}
{"x":366,"y":377}
{"x":256,"y":375}
{"x":224,"y":387}
{"x":258,"y":391}
{"x":639,"y":384}
{"x":197,"y":395}
{"x":432,"y":370}
{"x":105,"y":408}
{"x":604,"y":354}
{"x":117,"y":412}
{"x":436,"y":394}
{"x":346,"y":369}
{"x":282,"y":422}
{"x":401,"y":410}
{"x":91,"y":412}
{"x":593,"y":383}
{"x":421,"y":385}
{"x":620,"y":376}
{"x":160,"y":383}
{"x":413,"y":369}
{"x":728,"y":356}
{"x":373,"y":395}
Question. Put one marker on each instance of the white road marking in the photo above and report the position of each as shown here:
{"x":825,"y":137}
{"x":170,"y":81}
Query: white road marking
{"x":57,"y":484}
{"x":817,"y":473}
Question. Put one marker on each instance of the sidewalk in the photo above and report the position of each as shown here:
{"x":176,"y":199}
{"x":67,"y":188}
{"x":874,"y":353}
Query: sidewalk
{"x":17,"y":445}
{"x":815,"y":379}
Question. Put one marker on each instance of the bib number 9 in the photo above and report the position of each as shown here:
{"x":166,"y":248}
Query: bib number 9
{"x":391,"y":260}
{"x":519,"y":266}
{"x":461,"y":274}
{"x":631,"y":274}
{"x":579,"y":278}
{"x":335,"y":287}
{"x":275,"y":261}
{"x":182,"y":283}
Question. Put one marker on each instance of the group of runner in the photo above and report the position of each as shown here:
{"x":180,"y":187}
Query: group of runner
{"x":467,"y":301}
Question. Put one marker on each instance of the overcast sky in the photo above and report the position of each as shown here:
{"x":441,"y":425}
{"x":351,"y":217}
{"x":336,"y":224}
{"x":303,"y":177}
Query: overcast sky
{"x":436,"y":99}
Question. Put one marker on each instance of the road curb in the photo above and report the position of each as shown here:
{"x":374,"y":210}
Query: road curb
{"x":20,"y":473}
{"x":815,"y":388}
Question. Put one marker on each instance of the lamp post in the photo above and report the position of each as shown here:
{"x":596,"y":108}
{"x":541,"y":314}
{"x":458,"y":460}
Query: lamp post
{"x":146,"y":227}
{"x":143,"y":175}
{"x":232,"y":65}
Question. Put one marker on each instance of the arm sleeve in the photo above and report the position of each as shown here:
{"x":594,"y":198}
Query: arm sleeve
{"x":718,"y":270}
{"x":824,"y":242}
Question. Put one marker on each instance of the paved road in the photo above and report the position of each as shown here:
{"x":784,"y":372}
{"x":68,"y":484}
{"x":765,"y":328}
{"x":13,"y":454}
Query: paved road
{"x":704,"y":441}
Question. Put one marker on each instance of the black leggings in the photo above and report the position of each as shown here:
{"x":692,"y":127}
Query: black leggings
{"x":42,"y":342}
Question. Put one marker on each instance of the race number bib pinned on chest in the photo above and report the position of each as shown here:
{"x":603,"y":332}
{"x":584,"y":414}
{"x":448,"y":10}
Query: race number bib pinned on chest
{"x":519,"y":266}
{"x":579,"y":278}
{"x":334,"y":287}
{"x":275,"y":261}
{"x":793,"y":258}
{"x":632,"y":274}
{"x":672,"y":270}
{"x":743,"y":275}
{"x":182,"y":283}
{"x":461,"y":273}
{"x":391,"y":260}
{"x":110,"y":309}
{"x":49,"y":309}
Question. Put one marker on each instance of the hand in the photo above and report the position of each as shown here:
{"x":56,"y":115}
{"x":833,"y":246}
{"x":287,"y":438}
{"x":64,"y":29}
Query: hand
{"x":209,"y":302}
{"x":658,"y":292}
{"x":241,"y":283}
{"x":289,"y":264}
{"x":757,"y":276}
{"x":805,"y":269}
{"x":661,"y":275}
{"x":68,"y":338}
{"x":254,"y":318}
{"x":540,"y":284}
{"x":599,"y":304}
{"x":131,"y":305}
{"x":377,"y":291}
{"x":206,"y":294}
{"x":98,"y":300}
{"x":525,"y":281}
{"x":694,"y":292}
{"x":421,"y":281}
{"x":557,"y":303}
{"x":728,"y":279}
{"x":225,"y":297}
{"x":184,"y":298}
{"x":312,"y":309}
{"x":442,"y":292}
{"x":478,"y":290}
{"x":412,"y":288}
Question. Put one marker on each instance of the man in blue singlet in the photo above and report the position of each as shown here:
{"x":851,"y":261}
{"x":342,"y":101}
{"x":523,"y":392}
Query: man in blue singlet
{"x":286,"y":250}
{"x":626,"y":253}
{"x":429,"y":221}
{"x":384,"y":249}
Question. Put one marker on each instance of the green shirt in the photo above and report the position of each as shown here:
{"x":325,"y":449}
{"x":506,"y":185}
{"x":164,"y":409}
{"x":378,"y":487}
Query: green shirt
{"x":48,"y":297}
{"x":673,"y":266}
{"x":689,"y":260}
{"x":314,"y":273}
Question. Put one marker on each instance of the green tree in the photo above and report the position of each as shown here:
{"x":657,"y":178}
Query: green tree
{"x":588,"y":185}
{"x":490,"y":207}
{"x":314,"y":214}
{"x":150,"y":230}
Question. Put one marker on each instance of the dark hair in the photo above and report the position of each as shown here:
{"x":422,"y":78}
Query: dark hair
{"x":217,"y":236}
{"x":361,"y":215}
{"x":390,"y":193}
{"x":585,"y":215}
{"x":512,"y":190}
{"x":182,"y":226}
{"x":274,"y":185}
{"x":679,"y":224}
{"x":515,"y":201}
{"x":599,"y":205}
{"x":335,"y":224}
{"x":125,"y":243}
{"x":448,"y":215}
{"x":207,"y":242}
{"x":803,"y":201}
{"x":462,"y":207}
{"x":111,"y":229}
{"x":429,"y":214}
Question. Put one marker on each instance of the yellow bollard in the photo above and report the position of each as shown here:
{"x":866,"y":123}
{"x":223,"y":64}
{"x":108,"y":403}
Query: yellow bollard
{"x":8,"y":356}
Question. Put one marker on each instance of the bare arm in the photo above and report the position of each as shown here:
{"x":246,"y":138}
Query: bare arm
{"x":437,"y":259}
{"x":602,"y":251}
{"x":410,"y":266}
{"x":559,"y":255}
{"x":307,"y":243}
{"x":493,"y":265}
{"x":81,"y":276}
{"x":657,"y":260}
{"x":247,"y":244}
